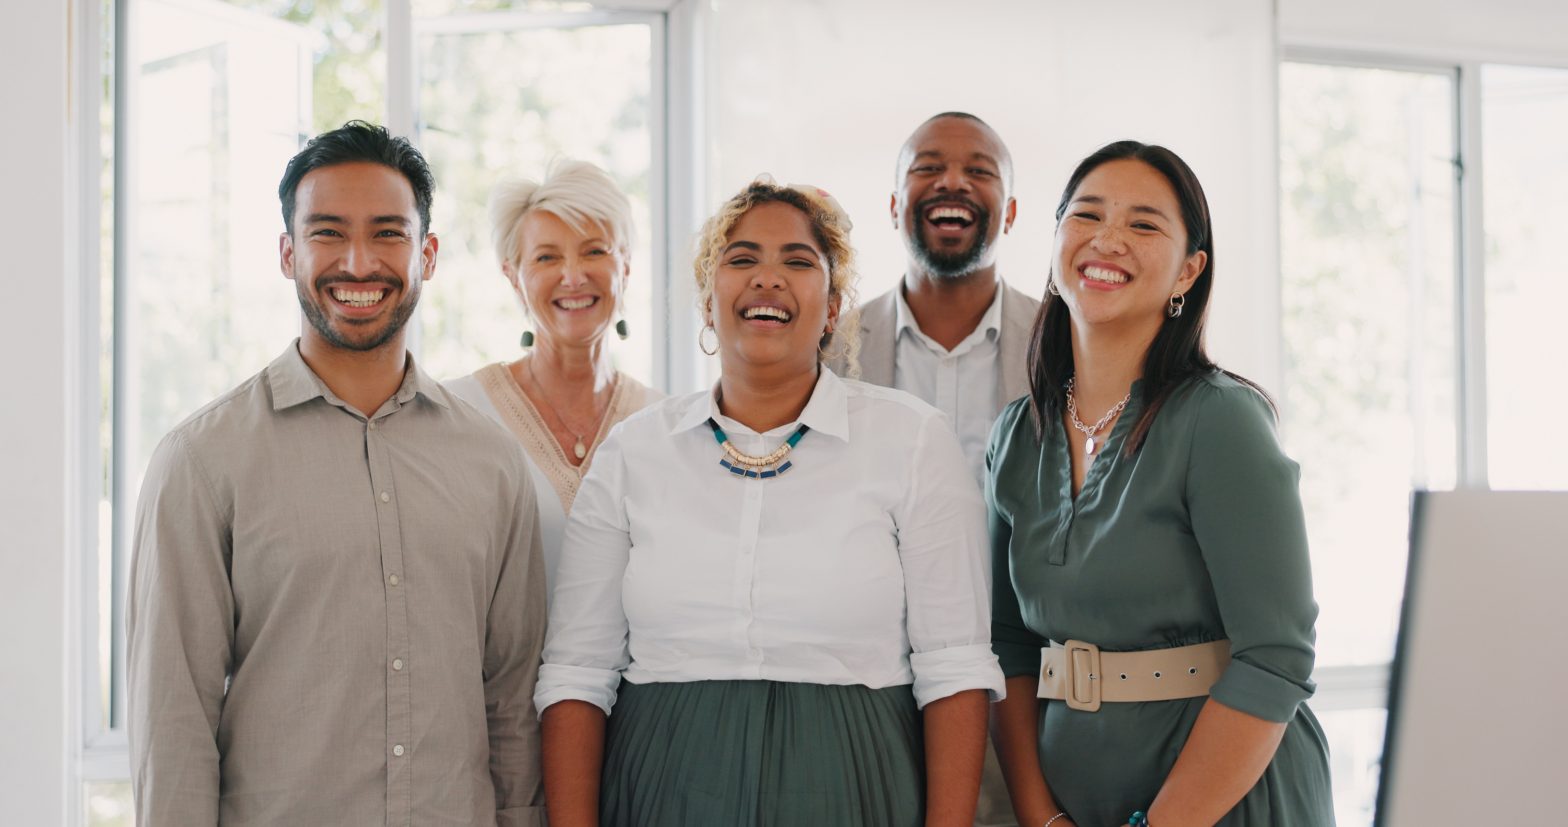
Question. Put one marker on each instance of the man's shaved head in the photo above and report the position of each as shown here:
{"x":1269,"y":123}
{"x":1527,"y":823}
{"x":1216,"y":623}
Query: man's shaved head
{"x":902,"y":164}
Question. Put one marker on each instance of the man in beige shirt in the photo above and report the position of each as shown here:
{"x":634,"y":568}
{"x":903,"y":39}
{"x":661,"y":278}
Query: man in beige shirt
{"x":337,"y":593}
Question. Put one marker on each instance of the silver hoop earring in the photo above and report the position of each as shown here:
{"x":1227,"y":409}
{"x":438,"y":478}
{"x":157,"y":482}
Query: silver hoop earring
{"x":1050,"y":286}
{"x":1177,"y":302}
{"x":703,"y":345}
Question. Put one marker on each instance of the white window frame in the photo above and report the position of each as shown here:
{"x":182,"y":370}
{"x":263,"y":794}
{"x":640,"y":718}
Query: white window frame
{"x":101,"y":751}
{"x":1366,"y":686}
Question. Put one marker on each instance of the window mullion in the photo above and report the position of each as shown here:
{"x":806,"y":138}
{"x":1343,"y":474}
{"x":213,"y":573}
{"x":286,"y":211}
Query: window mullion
{"x":89,"y":461}
{"x":1471,"y":286}
{"x":121,"y":497}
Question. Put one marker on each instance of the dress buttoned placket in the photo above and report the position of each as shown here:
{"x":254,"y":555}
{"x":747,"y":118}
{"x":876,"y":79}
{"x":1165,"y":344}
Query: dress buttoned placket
{"x":395,"y":585}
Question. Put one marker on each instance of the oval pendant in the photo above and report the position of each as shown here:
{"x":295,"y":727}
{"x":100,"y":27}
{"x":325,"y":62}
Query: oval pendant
{"x":580,"y":449}
{"x":1088,"y":447}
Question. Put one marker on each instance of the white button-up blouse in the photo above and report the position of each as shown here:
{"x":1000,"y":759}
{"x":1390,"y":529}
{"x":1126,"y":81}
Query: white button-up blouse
{"x":863,"y":564}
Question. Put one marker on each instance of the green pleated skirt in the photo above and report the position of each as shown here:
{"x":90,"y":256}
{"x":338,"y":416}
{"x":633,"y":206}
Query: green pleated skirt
{"x":739,"y":753}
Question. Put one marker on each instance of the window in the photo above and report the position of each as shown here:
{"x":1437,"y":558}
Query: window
{"x":1411,"y":323}
{"x":204,"y":101}
{"x":1368,"y":248}
{"x":512,"y":92}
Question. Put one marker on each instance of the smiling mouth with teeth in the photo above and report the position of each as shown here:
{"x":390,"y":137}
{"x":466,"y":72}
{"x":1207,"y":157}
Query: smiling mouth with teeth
{"x":950,"y":216}
{"x":576,"y":304}
{"x":775,"y":314}
{"x":358,"y":298}
{"x":1104,"y":275}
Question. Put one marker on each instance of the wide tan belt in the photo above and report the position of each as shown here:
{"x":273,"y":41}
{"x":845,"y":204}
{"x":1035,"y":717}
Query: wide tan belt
{"x":1083,"y":676}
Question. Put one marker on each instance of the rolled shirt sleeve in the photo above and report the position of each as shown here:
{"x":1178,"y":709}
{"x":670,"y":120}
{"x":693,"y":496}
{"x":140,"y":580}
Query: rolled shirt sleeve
{"x":942,"y":546}
{"x":180,"y":639}
{"x":586,"y":649}
{"x":1245,"y":508}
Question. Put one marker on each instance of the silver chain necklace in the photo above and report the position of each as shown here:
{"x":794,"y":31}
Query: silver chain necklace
{"x":1088,"y":431}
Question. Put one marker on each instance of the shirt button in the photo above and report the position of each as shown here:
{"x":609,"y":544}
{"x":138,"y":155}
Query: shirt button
{"x":397,"y":750}
{"x":385,"y":497}
{"x":372,"y":425}
{"x":393,"y":580}
{"x":397,"y":664}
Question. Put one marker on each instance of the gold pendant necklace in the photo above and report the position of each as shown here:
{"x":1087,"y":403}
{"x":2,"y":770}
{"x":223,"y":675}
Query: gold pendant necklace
{"x":579,"y":449}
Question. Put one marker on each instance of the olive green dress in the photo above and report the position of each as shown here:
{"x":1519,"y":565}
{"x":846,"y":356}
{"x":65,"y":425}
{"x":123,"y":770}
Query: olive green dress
{"x":1197,"y":537}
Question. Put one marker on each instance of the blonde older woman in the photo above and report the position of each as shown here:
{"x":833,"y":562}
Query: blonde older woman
{"x":563,"y":244}
{"x":777,"y":585}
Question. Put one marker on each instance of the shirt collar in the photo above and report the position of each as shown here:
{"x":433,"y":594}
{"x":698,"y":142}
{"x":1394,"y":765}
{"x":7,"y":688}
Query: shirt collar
{"x":294,"y":383}
{"x":826,"y":412}
{"x":990,"y":323}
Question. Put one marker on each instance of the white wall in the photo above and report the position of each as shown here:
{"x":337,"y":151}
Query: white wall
{"x":815,"y":90}
{"x":36,"y":317}
{"x":1529,"y":32}
{"x":825,"y":92}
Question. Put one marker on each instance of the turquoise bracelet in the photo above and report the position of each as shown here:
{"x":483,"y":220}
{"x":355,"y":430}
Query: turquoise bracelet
{"x":1138,"y":819}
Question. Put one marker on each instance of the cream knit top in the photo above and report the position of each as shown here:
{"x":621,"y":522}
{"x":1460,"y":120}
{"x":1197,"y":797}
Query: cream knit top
{"x":493,"y":390}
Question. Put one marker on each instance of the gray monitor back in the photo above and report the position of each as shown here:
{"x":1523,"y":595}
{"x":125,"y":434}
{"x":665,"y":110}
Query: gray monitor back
{"x":1478,"y":701}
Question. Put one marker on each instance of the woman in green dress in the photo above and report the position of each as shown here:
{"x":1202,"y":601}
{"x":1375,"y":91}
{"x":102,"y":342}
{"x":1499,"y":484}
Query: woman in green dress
{"x":1153,"y":607}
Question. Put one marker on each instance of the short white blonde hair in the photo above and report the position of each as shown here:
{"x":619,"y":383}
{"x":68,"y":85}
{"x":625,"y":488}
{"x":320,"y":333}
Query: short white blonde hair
{"x":576,"y":192}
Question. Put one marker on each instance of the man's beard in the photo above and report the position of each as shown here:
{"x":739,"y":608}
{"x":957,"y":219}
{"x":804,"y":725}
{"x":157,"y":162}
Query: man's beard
{"x":323,"y":326}
{"x":952,"y":265}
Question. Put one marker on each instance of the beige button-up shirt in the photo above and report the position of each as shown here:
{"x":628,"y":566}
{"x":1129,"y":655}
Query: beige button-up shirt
{"x":335,"y":619}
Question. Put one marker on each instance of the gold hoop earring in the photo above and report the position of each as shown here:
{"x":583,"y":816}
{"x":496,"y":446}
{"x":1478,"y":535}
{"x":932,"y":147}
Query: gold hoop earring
{"x":703,"y":346}
{"x":1177,"y":302}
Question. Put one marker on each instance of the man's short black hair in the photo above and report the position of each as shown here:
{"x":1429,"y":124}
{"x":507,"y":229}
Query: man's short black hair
{"x":359,"y":141}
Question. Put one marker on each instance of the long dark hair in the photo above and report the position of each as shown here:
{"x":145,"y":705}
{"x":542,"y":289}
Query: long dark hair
{"x":1177,"y":352}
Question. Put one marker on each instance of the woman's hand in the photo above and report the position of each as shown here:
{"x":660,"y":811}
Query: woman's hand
{"x":1225,"y":755}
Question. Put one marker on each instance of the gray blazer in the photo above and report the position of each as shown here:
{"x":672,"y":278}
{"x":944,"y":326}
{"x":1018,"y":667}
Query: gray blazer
{"x":878,"y":342}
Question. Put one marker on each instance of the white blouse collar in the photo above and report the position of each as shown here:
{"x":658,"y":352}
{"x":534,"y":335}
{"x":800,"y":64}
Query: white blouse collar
{"x":827,"y":412}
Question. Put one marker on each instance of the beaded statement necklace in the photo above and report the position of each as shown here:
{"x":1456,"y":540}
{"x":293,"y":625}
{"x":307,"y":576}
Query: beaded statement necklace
{"x":757,"y":468}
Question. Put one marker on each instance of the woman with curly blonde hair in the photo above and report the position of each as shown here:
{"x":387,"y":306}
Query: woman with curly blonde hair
{"x":778,"y":585}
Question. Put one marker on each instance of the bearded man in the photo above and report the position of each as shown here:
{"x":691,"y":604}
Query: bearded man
{"x":951,"y":333}
{"x":337,"y":593}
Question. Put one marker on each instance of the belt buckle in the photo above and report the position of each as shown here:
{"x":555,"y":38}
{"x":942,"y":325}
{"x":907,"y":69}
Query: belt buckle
{"x":1083,"y":676}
